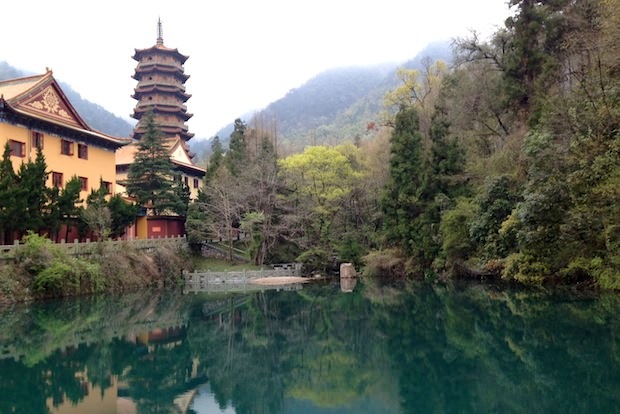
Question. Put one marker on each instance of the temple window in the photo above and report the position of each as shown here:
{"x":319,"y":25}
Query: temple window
{"x":66,"y":147}
{"x":18,"y":149}
{"x":84,"y":182}
{"x":83,"y":151}
{"x":57,"y":179}
{"x":37,"y":140}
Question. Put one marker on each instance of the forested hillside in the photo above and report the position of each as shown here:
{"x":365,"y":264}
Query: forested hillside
{"x":94,"y":115}
{"x":333,"y":107}
{"x":505,"y":164}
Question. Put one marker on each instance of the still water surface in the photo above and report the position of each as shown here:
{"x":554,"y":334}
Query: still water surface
{"x":412,"y":349}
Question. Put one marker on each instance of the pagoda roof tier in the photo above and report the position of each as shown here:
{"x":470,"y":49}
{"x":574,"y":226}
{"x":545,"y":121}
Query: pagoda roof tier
{"x":159,"y":49}
{"x":168,"y":131}
{"x":139,"y":111}
{"x":160,"y":89}
{"x":159,"y":68}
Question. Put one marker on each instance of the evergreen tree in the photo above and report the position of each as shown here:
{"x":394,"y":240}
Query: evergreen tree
{"x":10,"y":206}
{"x":122,"y":214}
{"x":152,"y":179}
{"x":66,"y":205}
{"x":401,"y":204}
{"x":34,"y":193}
{"x":237,"y":149}
{"x":217,"y":155}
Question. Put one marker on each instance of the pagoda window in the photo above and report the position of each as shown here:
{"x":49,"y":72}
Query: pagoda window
{"x":66,"y":147}
{"x":186,"y":180}
{"x":57,"y":179}
{"x":37,"y":140}
{"x":195,"y":182}
{"x":18,"y":149}
{"x":83,"y":151}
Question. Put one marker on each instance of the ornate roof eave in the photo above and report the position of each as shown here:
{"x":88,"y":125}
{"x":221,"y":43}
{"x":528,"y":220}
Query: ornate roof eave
{"x":116,"y":142}
{"x":159,"y":49}
{"x":16,"y":104}
{"x":143,"y":90}
{"x":170,"y":109}
{"x":46,"y":80}
{"x":178,"y":73}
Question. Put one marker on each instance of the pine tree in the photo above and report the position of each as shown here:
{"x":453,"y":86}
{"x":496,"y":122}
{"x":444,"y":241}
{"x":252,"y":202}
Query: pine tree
{"x":152,"y":178}
{"x":34,"y":193}
{"x":9,"y":203}
{"x":237,"y":148}
{"x":400,"y":203}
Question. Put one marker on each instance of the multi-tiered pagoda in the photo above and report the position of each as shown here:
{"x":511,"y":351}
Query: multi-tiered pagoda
{"x":161,"y":89}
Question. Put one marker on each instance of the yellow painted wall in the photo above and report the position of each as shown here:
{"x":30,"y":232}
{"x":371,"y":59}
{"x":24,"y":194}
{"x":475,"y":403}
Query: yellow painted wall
{"x":101,"y":163}
{"x":141,"y":228}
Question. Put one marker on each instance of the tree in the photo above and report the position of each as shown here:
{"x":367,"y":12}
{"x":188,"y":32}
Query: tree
{"x":152,"y":176}
{"x":34,"y":193}
{"x":9,"y":202}
{"x":237,"y":154}
{"x":97,"y":215}
{"x":401,"y":204}
{"x":67,"y":204}
{"x":222,"y":207}
{"x":122,"y":214}
{"x":317,"y":181}
{"x":216,"y":159}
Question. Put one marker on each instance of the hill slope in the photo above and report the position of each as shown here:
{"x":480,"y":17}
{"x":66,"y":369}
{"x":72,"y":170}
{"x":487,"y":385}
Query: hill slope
{"x":334,"y":106}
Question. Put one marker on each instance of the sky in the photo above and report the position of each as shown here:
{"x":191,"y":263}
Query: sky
{"x":243,"y":54}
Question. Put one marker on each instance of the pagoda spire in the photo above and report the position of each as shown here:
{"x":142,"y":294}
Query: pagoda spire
{"x":160,"y":33}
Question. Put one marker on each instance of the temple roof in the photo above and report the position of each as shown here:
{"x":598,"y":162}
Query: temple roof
{"x":176,"y":148}
{"x":40,"y":97}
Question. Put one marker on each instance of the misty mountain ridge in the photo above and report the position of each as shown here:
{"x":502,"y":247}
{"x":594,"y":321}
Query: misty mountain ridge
{"x":336,"y":105}
{"x":333,"y":107}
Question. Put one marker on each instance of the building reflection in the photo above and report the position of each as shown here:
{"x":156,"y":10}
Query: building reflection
{"x":118,"y":395}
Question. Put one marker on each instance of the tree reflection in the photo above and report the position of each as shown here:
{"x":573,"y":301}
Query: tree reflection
{"x":404,"y":349}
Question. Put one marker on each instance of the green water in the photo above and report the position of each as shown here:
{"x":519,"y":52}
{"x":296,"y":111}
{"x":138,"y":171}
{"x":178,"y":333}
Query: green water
{"x":412,"y":349}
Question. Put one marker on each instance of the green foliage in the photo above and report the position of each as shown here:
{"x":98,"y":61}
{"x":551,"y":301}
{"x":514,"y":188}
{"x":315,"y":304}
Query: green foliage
{"x":526,"y":269}
{"x":152,"y":176}
{"x":36,"y":253}
{"x":196,"y":226}
{"x":495,"y":203}
{"x":313,"y":260}
{"x":237,"y":155}
{"x":319,"y":181}
{"x":55,"y":279}
{"x":457,"y":244}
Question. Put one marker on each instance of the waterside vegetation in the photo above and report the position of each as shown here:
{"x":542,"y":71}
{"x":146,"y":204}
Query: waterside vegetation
{"x":503,"y":165}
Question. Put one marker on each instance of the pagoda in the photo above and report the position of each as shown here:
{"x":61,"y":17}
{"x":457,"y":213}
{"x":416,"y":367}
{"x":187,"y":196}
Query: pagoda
{"x":161,"y":79}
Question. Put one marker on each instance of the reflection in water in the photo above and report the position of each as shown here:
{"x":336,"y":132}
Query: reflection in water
{"x":416,"y":348}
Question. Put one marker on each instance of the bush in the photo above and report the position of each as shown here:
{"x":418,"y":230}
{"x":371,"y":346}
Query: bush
{"x":57,"y":279}
{"x":387,"y":264}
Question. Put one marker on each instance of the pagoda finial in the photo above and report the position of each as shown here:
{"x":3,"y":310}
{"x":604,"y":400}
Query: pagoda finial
{"x":160,"y":33}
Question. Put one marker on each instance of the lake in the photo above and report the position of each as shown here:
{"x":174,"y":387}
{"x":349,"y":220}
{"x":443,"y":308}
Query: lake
{"x":416,"y":348}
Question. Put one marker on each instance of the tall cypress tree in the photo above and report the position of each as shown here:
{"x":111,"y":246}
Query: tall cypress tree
{"x":237,"y":148}
{"x":400,"y":203}
{"x":9,"y":203}
{"x":151,"y":178}
{"x":34,"y":193}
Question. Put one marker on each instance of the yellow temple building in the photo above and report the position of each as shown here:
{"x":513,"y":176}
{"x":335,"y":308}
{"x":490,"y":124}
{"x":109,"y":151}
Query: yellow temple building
{"x":34,"y":111}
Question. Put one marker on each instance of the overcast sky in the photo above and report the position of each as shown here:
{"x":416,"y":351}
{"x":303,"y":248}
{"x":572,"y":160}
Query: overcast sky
{"x":243,"y":54}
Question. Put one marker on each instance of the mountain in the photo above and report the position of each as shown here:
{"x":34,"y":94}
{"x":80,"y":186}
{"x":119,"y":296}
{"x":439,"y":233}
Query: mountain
{"x":94,"y":115}
{"x":334,"y":106}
